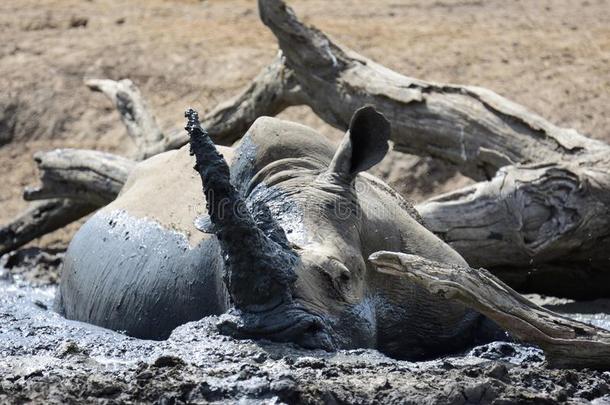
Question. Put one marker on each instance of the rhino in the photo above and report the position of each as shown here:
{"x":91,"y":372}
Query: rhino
{"x":277,"y":244}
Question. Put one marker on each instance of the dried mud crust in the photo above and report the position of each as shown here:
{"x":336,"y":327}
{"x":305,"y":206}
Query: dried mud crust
{"x":45,"y":358}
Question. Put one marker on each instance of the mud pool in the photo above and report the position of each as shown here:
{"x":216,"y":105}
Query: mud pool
{"x":44,"y":357}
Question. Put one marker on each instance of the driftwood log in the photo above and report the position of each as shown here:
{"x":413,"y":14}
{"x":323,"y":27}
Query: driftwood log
{"x":567,"y":343}
{"x":39,"y":219}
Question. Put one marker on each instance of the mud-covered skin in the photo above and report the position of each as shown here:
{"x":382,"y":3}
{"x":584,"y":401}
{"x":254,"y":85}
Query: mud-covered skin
{"x":176,"y":284}
{"x":139,"y":265}
{"x":304,"y":197}
{"x":334,"y":222}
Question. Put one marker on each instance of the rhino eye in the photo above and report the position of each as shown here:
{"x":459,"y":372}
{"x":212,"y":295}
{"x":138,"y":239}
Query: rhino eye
{"x":338,"y":270}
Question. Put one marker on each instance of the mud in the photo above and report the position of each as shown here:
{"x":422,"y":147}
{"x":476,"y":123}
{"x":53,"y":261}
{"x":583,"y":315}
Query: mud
{"x":32,"y":266}
{"x":46,"y":358}
{"x":130,"y":274}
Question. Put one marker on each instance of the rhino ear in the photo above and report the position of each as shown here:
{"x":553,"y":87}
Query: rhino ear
{"x":364,"y":144}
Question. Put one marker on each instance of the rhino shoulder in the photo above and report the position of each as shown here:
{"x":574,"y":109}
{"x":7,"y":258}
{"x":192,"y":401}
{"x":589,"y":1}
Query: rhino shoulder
{"x":166,"y":190}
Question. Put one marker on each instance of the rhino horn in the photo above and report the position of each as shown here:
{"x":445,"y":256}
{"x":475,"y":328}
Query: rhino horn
{"x":259,"y":271}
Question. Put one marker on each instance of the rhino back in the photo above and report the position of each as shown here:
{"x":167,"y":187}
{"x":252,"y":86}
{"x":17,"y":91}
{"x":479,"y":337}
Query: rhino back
{"x":139,"y":264}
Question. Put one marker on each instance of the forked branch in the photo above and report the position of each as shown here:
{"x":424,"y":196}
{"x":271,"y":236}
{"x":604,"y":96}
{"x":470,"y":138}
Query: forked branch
{"x":567,"y":343}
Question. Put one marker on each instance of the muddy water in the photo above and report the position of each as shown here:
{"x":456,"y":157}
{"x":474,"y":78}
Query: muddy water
{"x":45,"y":357}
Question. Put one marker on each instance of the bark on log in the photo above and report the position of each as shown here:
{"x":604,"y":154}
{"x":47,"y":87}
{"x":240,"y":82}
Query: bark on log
{"x":40,"y":218}
{"x":546,"y":217}
{"x":83,"y":175}
{"x":566,"y":343}
{"x":527,"y":214}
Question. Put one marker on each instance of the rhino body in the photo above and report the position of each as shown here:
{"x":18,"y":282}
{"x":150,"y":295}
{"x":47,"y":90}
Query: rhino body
{"x":152,"y":259}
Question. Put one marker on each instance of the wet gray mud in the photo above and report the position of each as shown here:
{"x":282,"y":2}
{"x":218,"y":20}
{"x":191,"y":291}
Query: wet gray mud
{"x":45,"y":358}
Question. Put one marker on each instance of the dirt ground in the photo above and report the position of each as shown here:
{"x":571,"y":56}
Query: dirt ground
{"x":552,"y":56}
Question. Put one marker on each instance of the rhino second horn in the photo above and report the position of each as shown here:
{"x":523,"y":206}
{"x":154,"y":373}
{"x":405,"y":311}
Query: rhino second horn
{"x":259,"y":271}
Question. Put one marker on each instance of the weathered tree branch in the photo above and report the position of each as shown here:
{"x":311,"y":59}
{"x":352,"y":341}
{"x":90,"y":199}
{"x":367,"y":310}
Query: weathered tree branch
{"x":272,"y":91}
{"x":40,"y":218}
{"x":566,"y":343}
{"x":135,"y":113}
{"x":84,"y":175}
{"x":472,"y":127}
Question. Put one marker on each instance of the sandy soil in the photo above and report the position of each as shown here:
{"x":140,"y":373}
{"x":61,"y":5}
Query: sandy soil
{"x":552,"y":56}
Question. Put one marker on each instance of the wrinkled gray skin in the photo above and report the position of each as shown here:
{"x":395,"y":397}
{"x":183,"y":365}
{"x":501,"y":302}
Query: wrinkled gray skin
{"x":284,"y":251}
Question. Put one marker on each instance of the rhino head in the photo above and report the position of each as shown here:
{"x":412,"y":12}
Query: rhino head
{"x":301,"y":286}
{"x":295,"y":232}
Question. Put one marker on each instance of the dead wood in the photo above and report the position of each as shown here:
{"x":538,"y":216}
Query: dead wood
{"x":566,"y":342}
{"x":135,"y":113}
{"x":529,"y":215}
{"x":84,"y":175}
{"x":40,"y":218}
